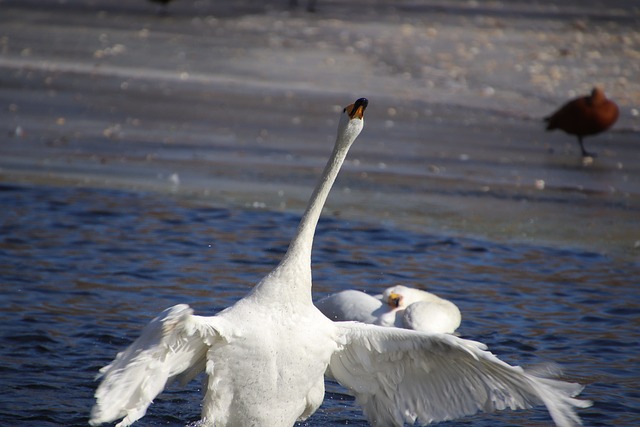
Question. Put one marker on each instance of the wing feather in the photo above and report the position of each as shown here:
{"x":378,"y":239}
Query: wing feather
{"x":172,"y":346}
{"x":401,"y":376}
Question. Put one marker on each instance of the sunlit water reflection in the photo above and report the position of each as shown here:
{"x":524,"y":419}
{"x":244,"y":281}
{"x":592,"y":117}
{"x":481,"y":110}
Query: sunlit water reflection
{"x":83,"y":270}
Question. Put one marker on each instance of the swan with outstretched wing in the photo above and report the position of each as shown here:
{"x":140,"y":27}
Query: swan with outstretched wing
{"x":266,"y":356}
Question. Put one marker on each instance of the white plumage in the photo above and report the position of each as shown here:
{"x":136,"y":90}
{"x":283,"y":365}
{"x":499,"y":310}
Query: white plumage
{"x":266,"y":356}
{"x":397,"y":306}
{"x":402,"y":376}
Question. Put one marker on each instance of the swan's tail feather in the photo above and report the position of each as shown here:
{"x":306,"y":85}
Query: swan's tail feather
{"x":167,"y":347}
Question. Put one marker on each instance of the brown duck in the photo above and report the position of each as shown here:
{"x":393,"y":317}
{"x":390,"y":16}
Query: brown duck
{"x":584,"y":116}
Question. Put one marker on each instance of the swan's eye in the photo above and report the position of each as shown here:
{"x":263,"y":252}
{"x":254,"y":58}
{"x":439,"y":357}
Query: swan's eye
{"x":344,"y":110}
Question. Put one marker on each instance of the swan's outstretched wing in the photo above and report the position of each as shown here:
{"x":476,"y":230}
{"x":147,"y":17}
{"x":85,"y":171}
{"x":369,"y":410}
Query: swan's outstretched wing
{"x":399,"y":375}
{"x":172,"y":346}
{"x":351,"y":305}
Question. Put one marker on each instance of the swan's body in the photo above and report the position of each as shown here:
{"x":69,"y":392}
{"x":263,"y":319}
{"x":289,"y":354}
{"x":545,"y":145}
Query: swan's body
{"x":353,"y":305}
{"x":266,"y":356}
{"x":420,"y":310}
{"x":397,"y":306}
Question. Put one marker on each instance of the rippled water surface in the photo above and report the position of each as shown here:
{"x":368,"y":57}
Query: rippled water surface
{"x":83,"y":270}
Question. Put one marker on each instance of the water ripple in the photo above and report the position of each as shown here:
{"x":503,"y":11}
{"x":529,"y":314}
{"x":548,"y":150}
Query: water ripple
{"x":83,"y":270}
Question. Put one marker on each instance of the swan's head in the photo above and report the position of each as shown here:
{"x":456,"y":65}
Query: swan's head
{"x":352,"y":121}
{"x":395,"y":296}
{"x":394,"y":300}
{"x":401,"y":296}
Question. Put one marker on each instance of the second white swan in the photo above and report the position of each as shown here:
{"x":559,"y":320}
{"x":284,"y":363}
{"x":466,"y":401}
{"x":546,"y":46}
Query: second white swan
{"x":398,"y":306}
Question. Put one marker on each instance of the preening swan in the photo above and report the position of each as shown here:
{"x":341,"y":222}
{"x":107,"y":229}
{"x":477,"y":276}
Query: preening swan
{"x":266,"y":356}
{"x":397,"y":306}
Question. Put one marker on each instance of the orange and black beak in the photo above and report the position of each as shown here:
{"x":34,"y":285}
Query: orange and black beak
{"x":394,"y":300}
{"x":356,"y":110}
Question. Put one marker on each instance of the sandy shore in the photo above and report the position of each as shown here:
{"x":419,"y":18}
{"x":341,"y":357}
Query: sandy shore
{"x":237,"y":103}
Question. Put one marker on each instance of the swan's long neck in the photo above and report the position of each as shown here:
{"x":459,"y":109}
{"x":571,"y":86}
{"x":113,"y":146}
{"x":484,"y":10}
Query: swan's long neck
{"x":293,"y":275}
{"x":301,"y":245}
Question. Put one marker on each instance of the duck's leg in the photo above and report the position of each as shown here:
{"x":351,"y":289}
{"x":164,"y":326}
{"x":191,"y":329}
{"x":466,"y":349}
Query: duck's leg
{"x":585,"y":153}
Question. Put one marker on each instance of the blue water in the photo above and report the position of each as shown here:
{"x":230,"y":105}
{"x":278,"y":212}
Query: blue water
{"x":81,"y":271}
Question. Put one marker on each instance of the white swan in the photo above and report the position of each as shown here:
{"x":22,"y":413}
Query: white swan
{"x":266,"y":356}
{"x":397,"y":306}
